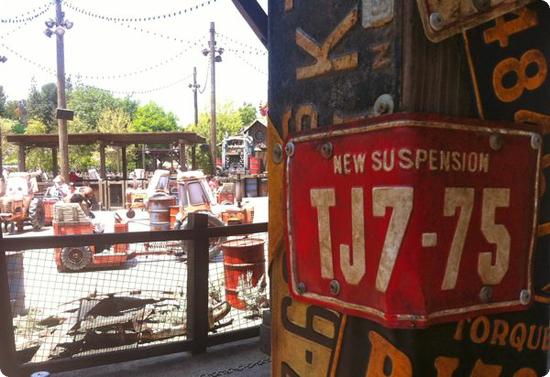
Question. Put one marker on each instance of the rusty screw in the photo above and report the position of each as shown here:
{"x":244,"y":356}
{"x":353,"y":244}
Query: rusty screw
{"x":301,"y":288}
{"x":289,"y":149}
{"x":482,"y":5}
{"x":326,"y":150}
{"x":495,"y":141}
{"x":277,"y":153}
{"x":436,"y":21}
{"x":335,"y":287}
{"x":486,"y":294}
{"x":536,"y":141}
{"x":525,"y":297}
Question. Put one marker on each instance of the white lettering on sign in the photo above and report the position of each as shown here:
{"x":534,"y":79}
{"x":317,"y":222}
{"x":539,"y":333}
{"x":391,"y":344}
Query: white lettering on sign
{"x":388,"y":160}
{"x":492,"y":266}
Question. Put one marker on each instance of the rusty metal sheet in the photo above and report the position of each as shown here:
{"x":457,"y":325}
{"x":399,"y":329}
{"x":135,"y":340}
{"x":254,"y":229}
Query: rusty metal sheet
{"x":413,"y":220}
{"x":445,"y":18}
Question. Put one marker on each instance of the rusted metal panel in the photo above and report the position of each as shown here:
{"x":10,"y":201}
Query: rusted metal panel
{"x":445,"y":18}
{"x":430,"y":201}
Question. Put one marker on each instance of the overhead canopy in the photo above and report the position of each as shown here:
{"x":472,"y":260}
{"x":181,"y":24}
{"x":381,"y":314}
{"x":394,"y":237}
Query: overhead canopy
{"x":52,"y":140}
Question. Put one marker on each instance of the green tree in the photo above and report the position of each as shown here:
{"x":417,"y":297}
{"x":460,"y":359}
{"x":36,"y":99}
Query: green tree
{"x":2,"y":102}
{"x":248,"y":114}
{"x":9,"y":150}
{"x":38,"y":158}
{"x":229,"y":123}
{"x":41,"y":105}
{"x":152,"y":118}
{"x":114,"y":121}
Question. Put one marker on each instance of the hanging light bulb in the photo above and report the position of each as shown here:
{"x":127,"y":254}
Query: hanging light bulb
{"x":48,"y":33}
{"x":68,"y":24}
{"x":50,"y":23}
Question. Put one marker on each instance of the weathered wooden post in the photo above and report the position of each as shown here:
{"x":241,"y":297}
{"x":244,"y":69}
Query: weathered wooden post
{"x":403,"y":242}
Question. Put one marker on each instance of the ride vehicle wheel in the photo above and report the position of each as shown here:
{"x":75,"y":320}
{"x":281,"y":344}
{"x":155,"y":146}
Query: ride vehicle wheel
{"x":76,"y":258}
{"x":37,"y":214}
{"x":130,"y":213}
{"x":214,"y":247}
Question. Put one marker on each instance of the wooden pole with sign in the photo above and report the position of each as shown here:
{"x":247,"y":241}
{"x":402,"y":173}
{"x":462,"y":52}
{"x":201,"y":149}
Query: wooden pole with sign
{"x":369,"y":279}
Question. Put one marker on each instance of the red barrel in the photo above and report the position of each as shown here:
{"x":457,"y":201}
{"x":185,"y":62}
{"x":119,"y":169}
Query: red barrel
{"x":253,"y":165}
{"x":48,"y":210}
{"x":174,"y":210}
{"x":244,"y":265}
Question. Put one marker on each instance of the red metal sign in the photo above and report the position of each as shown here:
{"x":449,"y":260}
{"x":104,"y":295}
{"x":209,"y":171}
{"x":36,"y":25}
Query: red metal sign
{"x":411,"y":222}
{"x":445,"y":18}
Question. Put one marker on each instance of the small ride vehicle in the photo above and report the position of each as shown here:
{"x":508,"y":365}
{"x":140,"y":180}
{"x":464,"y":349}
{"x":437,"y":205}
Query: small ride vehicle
{"x":19,"y":205}
{"x":69,"y":219}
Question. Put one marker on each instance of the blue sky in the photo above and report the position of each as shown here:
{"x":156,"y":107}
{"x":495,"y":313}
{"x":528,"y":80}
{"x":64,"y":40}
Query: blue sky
{"x":102,"y":52}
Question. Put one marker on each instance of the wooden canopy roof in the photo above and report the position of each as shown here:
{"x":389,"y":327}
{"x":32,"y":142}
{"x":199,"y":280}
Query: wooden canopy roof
{"x":52,"y":140}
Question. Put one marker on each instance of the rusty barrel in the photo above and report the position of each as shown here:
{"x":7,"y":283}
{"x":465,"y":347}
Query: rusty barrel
{"x":174,"y":210}
{"x":48,"y":210}
{"x":16,"y":281}
{"x":263,"y":187}
{"x":244,"y":265}
{"x":159,"y":212}
{"x":251,"y":187}
{"x":254,"y":165}
{"x":121,"y":228}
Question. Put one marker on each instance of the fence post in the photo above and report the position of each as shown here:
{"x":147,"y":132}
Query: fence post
{"x":197,"y":284}
{"x":7,"y":338}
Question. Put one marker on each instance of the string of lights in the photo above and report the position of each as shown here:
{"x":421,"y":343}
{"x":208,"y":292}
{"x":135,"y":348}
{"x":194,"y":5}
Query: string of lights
{"x":143,"y":91}
{"x":27,"y":16}
{"x":139,"y":19}
{"x":244,"y":47}
{"x":254,"y":67}
{"x":163,"y":36}
{"x":96,"y":76}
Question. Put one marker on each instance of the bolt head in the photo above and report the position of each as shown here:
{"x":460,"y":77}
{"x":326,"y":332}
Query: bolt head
{"x":486,"y":294}
{"x":496,"y":142}
{"x":301,"y":288}
{"x":327,"y":150}
{"x":277,"y":153}
{"x":289,"y":149}
{"x":335,"y":287}
{"x":383,"y":105}
{"x":536,"y":141}
{"x":436,"y":21}
{"x":525,"y":297}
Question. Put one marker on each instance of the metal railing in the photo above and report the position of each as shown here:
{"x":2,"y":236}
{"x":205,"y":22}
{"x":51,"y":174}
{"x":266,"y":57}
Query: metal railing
{"x":178,"y":319}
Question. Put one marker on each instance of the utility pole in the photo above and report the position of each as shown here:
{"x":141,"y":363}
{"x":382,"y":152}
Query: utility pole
{"x":195,"y":87}
{"x":215,"y":57}
{"x":58,"y":27}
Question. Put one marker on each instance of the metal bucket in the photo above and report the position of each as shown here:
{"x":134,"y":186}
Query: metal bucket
{"x":251,"y":187}
{"x":242,"y":259}
{"x":159,"y":212}
{"x":174,"y":210}
{"x":16,"y":281}
{"x":263,"y":187}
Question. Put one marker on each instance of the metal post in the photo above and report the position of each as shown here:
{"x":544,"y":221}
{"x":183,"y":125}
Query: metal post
{"x":182,"y":156}
{"x":22,"y":157}
{"x":197,"y":284}
{"x":195,"y":88}
{"x":61,"y":99}
{"x":212,"y":45}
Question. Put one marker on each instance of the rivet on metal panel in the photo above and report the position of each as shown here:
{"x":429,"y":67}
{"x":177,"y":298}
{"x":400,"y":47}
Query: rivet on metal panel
{"x":301,"y":288}
{"x":436,"y":21}
{"x":277,"y":153}
{"x":495,"y":141}
{"x":482,"y":5}
{"x":383,"y":105}
{"x":335,"y":287}
{"x":289,"y":149}
{"x":486,"y":294}
{"x":536,"y":141}
{"x":525,"y":297}
{"x":326,"y":150}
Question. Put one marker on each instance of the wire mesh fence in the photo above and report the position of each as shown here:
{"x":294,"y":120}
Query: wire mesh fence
{"x":78,"y":300}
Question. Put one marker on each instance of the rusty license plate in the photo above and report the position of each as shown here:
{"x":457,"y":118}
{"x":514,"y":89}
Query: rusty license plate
{"x":445,"y":18}
{"x":411,"y":222}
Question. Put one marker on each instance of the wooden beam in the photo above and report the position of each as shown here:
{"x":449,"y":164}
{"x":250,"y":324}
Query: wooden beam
{"x":255,"y":16}
{"x":194,"y":157}
{"x":183,"y":157}
{"x":124,"y":164}
{"x":22,"y":157}
{"x":55,"y":166}
{"x":102,"y":168}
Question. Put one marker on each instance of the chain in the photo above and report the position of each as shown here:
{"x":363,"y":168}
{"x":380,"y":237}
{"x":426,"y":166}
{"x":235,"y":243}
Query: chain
{"x":240,"y":368}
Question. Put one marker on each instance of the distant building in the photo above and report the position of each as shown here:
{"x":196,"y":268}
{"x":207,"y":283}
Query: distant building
{"x":257,"y":131}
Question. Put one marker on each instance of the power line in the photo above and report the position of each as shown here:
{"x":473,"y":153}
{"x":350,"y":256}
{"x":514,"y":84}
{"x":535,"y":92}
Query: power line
{"x":251,"y":65}
{"x":139,"y":19}
{"x":142,"y":91}
{"x":27,"y":16}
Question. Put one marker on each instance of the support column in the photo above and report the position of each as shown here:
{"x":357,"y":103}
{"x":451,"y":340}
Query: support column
{"x":183,"y":157}
{"x":194,"y":157}
{"x":22,"y":156}
{"x":124,"y":163}
{"x":102,"y":169}
{"x":55,"y":165}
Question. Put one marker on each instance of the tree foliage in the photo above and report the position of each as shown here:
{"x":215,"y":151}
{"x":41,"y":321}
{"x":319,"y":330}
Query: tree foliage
{"x":152,"y":118}
{"x":38,"y":158}
{"x":2,"y":102}
{"x":248,"y":114}
{"x":41,"y":105}
{"x":9,"y":151}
